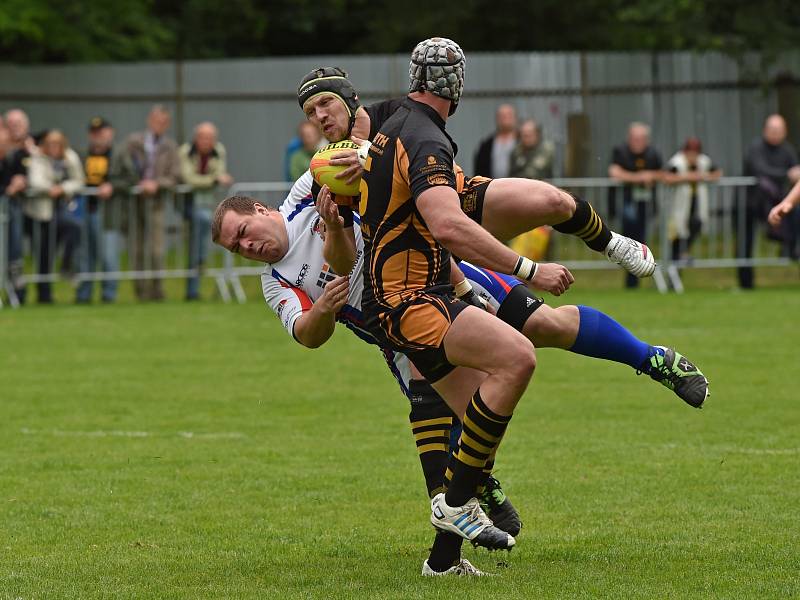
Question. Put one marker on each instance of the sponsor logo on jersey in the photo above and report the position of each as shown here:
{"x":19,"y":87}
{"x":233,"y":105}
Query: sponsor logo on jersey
{"x":302,"y":276}
{"x":355,"y":264}
{"x":469,"y":202}
{"x":317,"y":228}
{"x":431,"y":160}
{"x":325,"y":276}
{"x":281,"y":306}
{"x":438,"y":180}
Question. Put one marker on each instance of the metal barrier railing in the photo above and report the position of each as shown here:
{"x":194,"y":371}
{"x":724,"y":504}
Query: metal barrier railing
{"x":4,"y":244}
{"x":148,"y":240}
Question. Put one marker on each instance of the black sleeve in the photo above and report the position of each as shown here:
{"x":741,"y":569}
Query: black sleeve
{"x":430,"y":165}
{"x":19,"y":163}
{"x":792,"y":155}
{"x":618,"y":159}
{"x":482,"y":165}
{"x":379,"y":113}
{"x":657,"y":162}
{"x":347,"y":214}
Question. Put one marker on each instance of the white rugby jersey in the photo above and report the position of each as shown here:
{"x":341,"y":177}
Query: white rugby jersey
{"x":295,"y":282}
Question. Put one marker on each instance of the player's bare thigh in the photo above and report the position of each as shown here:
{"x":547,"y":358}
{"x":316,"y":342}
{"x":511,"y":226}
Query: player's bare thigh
{"x":550,"y":327}
{"x":480,"y":341}
{"x":512,"y":206}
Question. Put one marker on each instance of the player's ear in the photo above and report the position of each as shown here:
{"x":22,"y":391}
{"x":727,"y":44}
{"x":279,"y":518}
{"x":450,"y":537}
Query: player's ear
{"x":260,"y":208}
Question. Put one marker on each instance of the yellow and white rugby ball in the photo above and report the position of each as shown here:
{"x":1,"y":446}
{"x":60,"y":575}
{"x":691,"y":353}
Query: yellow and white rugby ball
{"x":324,"y":172}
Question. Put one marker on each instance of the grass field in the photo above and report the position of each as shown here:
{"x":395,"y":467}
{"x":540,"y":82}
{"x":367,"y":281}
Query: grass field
{"x":194,"y":451}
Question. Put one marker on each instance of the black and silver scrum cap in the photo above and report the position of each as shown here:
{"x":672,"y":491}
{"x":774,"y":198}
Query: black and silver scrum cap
{"x":437,"y":66}
{"x":329,"y":80}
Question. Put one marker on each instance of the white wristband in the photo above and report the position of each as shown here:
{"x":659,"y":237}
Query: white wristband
{"x":362,"y":152}
{"x":463,"y":288}
{"x":525,"y":269}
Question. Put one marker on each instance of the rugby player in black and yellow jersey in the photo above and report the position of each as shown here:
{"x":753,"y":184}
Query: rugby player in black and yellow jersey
{"x":411,"y":219}
{"x":330,"y":102}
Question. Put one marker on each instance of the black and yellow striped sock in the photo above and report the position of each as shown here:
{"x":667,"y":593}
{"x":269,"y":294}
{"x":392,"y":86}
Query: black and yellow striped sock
{"x":481,"y":434}
{"x":487,"y":471}
{"x":587,"y":225}
{"x":431,"y":420}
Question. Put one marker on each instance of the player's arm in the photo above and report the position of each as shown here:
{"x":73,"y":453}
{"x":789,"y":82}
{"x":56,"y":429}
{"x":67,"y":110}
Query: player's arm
{"x":441,"y":209}
{"x":785,"y":206}
{"x":463,"y":288}
{"x":316,"y":326}
{"x":339,"y":247}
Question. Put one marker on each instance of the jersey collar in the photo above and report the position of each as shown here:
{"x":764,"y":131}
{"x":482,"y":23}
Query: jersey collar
{"x":434,"y":116}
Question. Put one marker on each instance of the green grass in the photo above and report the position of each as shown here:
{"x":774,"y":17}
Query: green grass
{"x":195,"y":451}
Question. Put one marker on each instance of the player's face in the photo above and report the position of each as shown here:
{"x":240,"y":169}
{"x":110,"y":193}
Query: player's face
{"x":329,"y":114}
{"x":255,"y":236}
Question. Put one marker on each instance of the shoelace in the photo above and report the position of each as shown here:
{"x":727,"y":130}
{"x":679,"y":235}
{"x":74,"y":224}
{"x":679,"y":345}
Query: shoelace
{"x":488,"y":496}
{"x":668,"y":374}
{"x":476,"y":514}
{"x":467,"y":568}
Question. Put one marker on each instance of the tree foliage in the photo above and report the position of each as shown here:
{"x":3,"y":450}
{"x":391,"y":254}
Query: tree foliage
{"x":130,"y":30}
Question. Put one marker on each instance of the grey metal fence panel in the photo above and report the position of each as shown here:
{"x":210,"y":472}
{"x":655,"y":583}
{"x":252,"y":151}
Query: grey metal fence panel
{"x":252,"y":100}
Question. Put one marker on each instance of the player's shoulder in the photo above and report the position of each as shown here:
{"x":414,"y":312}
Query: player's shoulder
{"x":379,"y":113}
{"x":299,"y":195}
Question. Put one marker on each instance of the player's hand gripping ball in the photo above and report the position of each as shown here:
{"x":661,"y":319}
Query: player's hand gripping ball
{"x":324,"y":172}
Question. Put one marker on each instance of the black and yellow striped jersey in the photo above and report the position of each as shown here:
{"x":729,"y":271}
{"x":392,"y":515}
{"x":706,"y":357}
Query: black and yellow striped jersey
{"x":410,"y":154}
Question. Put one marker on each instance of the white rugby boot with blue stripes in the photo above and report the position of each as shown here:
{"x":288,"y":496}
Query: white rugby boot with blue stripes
{"x":470,"y":522}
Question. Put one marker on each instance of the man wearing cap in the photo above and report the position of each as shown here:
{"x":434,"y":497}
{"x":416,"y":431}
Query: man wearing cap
{"x":103,"y":212}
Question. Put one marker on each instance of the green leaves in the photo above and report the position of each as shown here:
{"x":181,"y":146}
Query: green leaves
{"x":128,"y":30}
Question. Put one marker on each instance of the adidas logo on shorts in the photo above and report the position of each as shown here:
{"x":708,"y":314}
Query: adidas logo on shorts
{"x":528,"y":302}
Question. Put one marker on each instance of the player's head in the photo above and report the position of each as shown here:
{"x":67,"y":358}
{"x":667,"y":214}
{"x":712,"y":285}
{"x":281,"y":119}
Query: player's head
{"x":437,"y":67}
{"x":329,"y":101}
{"x":243,"y":225}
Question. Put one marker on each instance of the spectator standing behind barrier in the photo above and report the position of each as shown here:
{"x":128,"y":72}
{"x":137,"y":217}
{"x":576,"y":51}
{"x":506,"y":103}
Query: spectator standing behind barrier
{"x":638,"y":165}
{"x":12,"y":183}
{"x":149,"y":161}
{"x":773,"y":162}
{"x":21,"y":147}
{"x":689,"y":172}
{"x":54,"y":177}
{"x":204,"y":167}
{"x":493,"y":158}
{"x":533,"y":157}
{"x":300,"y":159}
{"x":103,"y":212}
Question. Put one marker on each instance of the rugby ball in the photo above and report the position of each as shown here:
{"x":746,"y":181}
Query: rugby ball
{"x":324,"y":172}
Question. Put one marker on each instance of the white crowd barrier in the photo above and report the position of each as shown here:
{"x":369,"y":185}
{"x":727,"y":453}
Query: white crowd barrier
{"x":146,"y":240}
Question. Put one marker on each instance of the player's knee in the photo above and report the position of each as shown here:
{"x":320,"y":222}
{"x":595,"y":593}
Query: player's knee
{"x":523,"y":362}
{"x":562,"y":204}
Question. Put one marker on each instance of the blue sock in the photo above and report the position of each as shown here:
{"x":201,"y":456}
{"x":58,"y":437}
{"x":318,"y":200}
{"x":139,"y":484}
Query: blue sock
{"x":600,"y":336}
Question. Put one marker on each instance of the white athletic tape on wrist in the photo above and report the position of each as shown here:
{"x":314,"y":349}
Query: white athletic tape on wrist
{"x":362,"y":152}
{"x":463,"y":288}
{"x":526,"y":269}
